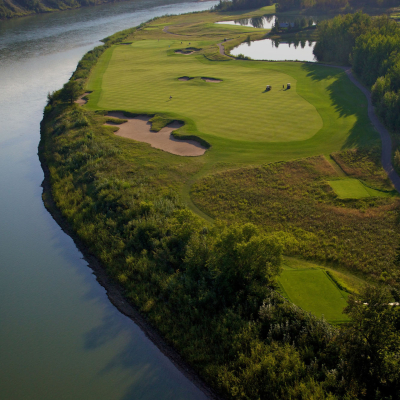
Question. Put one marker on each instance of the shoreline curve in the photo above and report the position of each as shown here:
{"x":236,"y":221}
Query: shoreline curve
{"x":115,"y":292}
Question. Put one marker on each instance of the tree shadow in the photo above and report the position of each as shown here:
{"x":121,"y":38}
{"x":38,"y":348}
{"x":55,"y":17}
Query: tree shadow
{"x":347,"y":100}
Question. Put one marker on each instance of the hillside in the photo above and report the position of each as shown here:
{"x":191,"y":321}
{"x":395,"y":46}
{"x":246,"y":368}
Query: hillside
{"x":14,"y":8}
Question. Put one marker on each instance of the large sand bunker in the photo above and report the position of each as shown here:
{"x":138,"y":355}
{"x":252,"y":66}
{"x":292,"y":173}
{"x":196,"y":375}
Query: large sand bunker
{"x":139,"y":129}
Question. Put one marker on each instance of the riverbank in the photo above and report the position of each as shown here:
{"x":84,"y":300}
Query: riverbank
{"x":115,"y":292}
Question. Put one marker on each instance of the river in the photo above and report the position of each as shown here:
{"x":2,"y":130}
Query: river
{"x":60,"y":337}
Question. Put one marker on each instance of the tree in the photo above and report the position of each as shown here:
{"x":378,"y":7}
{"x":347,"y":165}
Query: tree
{"x":371,"y":345}
{"x":71,"y":91}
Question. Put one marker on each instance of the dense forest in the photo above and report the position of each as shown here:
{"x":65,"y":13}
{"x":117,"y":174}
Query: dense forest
{"x":224,"y":5}
{"x":321,"y":5}
{"x":14,"y":8}
{"x":326,"y":5}
{"x":372,"y":46}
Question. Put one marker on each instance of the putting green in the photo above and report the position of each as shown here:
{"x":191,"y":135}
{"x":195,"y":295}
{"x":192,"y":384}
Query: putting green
{"x":353,"y":189}
{"x":144,"y":75}
{"x":314,"y":291}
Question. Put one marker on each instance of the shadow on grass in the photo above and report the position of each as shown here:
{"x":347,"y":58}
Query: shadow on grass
{"x":347,"y":100}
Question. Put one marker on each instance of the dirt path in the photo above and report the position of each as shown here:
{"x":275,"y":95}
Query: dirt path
{"x":386,"y":157}
{"x":222,"y":49}
{"x":165,"y":30}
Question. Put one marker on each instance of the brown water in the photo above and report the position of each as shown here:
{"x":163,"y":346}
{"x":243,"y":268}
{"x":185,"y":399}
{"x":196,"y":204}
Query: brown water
{"x":60,"y":337}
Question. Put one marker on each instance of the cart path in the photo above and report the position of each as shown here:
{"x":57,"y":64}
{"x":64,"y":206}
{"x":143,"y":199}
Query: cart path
{"x":386,"y":157}
{"x":222,"y":49}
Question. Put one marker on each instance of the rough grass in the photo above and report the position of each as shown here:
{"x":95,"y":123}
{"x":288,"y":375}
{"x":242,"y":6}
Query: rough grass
{"x":294,"y":197}
{"x":364,"y":164}
{"x":314,"y":291}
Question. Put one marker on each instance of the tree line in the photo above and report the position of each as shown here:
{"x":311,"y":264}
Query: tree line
{"x":372,"y":47}
{"x":232,"y":5}
{"x":321,"y":5}
{"x":9,"y":9}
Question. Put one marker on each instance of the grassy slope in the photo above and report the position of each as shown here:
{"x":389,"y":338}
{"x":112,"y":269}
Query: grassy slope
{"x":360,"y":235}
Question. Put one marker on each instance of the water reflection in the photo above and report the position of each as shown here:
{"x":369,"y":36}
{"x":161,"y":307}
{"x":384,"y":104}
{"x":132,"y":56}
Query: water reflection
{"x":268,"y":21}
{"x":264,"y":22}
{"x":276,"y":50}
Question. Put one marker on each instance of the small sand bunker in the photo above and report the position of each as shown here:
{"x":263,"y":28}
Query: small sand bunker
{"x":211,"y":80}
{"x":81,"y":101}
{"x":185,"y":78}
{"x":139,"y":129}
{"x":185,"y":53}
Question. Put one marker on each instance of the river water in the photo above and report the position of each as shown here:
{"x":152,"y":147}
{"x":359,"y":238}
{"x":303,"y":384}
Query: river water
{"x":60,"y":337}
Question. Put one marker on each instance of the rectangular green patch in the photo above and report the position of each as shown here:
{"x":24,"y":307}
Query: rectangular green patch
{"x":354,"y":189}
{"x":314,"y":291}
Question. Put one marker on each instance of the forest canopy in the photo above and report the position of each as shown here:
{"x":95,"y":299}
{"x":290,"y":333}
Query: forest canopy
{"x":285,"y":5}
{"x":372,"y":46}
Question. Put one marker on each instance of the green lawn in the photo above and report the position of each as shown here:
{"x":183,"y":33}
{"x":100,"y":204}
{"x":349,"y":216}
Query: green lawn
{"x":354,"y":189}
{"x":314,"y":291}
{"x":322,"y":113}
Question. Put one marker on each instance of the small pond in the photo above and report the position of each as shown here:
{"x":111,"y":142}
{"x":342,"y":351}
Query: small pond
{"x":273,"y":50}
{"x":265,"y":22}
{"x":268,"y":21}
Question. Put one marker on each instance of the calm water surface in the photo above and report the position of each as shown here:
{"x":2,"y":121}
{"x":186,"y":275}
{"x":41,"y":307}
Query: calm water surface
{"x":265,"y":22}
{"x":271,"y":50}
{"x":60,"y":337}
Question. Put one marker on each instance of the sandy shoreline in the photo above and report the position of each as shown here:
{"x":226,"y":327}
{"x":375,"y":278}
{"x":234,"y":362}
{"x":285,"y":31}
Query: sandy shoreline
{"x":115,"y":291}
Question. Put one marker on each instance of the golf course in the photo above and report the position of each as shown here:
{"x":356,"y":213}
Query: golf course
{"x":168,"y":71}
{"x":238,"y":204}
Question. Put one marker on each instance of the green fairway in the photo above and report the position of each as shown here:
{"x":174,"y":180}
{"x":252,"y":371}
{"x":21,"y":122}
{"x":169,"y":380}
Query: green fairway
{"x":142,"y":77}
{"x":313,"y":291}
{"x":354,"y":189}
{"x":322,"y":112}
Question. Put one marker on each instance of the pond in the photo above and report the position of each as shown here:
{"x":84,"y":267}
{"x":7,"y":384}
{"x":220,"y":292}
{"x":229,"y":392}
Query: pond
{"x":268,"y":21}
{"x":265,"y":22}
{"x":273,"y":50}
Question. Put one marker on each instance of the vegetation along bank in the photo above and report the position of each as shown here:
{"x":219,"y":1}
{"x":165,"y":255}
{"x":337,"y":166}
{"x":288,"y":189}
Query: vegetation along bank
{"x":226,"y":253}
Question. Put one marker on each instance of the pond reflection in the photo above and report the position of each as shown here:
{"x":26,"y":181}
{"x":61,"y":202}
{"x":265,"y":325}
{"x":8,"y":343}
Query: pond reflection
{"x":275,"y":50}
{"x":264,"y":22}
{"x":268,"y":21}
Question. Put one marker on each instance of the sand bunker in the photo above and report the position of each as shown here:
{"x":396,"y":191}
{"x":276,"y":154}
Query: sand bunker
{"x":185,"y":53}
{"x":184,"y":78}
{"x":81,"y":101}
{"x":139,"y":129}
{"x":211,"y":80}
